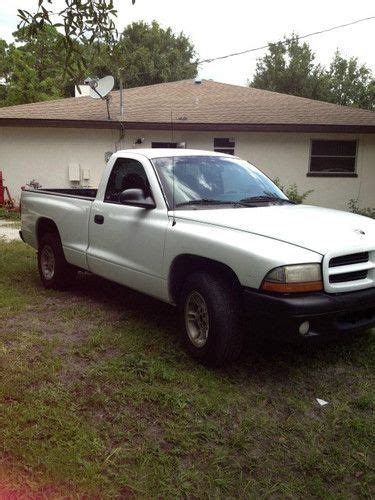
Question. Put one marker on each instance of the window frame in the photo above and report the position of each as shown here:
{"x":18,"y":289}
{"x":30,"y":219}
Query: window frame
{"x":118,"y":160}
{"x":353,"y":174}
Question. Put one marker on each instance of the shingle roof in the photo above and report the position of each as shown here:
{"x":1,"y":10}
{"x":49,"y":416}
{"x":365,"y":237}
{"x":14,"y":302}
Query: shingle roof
{"x":208,"y":105}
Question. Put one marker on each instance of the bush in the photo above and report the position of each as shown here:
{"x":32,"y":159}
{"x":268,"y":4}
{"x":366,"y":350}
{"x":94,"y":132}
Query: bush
{"x":292,"y":192}
{"x":354,"y":208}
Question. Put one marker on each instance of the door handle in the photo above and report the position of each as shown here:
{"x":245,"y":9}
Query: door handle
{"x":99,"y":219}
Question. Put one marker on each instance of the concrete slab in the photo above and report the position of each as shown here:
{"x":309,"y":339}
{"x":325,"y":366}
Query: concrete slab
{"x":9,"y":230}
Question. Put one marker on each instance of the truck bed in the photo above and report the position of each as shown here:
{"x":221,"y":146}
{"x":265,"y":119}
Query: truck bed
{"x":68,"y":209}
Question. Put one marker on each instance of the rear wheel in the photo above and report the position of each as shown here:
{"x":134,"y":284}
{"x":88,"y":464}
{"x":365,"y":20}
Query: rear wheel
{"x":210,"y":317}
{"x":55,"y":272}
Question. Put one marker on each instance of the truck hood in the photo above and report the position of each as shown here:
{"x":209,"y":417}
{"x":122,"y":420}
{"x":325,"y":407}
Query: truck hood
{"x":318,"y":229}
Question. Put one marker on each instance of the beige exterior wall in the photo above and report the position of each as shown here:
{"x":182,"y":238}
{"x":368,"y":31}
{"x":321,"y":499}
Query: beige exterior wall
{"x":45,"y":154}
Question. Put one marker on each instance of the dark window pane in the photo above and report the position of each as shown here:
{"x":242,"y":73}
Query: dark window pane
{"x":332,"y":164}
{"x":334,"y":148}
{"x":164,"y":144}
{"x":223,"y":142}
{"x":224,"y":150}
{"x":126,"y":174}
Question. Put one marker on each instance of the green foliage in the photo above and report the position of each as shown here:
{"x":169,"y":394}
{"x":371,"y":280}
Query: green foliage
{"x":145,"y":54}
{"x":79,"y":20}
{"x":292,"y":192}
{"x":350,"y":83}
{"x":289,"y":67}
{"x":367,"y":212}
{"x":34,"y":68}
{"x":6,"y":214}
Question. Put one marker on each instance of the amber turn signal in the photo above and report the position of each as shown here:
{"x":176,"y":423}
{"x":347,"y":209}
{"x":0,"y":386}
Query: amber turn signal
{"x":298,"y":278}
{"x":310,"y":286}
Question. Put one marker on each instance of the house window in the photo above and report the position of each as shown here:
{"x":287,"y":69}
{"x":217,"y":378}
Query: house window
{"x":224,"y":145}
{"x":164,"y":144}
{"x":333,"y":158}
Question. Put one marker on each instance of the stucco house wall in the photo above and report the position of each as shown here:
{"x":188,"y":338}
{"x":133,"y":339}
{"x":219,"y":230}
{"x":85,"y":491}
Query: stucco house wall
{"x":44,"y":154}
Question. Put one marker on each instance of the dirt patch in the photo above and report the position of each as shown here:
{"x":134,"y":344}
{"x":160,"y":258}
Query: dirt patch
{"x":68,"y":321}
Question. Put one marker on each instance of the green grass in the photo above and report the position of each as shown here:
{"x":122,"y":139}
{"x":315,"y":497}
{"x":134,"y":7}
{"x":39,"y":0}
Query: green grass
{"x":97,"y":398}
{"x":9,"y":215}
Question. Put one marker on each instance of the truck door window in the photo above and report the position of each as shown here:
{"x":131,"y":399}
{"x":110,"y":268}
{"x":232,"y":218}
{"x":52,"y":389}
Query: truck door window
{"x":126,"y":174}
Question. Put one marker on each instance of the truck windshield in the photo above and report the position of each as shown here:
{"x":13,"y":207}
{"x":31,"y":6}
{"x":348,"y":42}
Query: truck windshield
{"x":215,"y":180}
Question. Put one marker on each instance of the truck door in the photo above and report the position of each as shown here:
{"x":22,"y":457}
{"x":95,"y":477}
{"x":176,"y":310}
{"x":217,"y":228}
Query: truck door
{"x":126,"y":243}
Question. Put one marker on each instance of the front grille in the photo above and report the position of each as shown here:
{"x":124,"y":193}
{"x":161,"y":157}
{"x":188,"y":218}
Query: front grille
{"x":347,"y":260}
{"x":342,"y":278}
{"x":350,"y":272}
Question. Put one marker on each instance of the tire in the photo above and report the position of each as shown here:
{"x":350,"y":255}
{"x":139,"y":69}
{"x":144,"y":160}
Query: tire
{"x":55,"y":272}
{"x":219,"y":342}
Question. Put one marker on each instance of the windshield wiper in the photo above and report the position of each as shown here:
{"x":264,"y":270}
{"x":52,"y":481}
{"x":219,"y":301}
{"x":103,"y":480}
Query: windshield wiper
{"x":205,"y":201}
{"x":265,"y":199}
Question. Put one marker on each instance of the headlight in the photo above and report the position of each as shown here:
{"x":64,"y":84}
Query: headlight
{"x":295,"y":278}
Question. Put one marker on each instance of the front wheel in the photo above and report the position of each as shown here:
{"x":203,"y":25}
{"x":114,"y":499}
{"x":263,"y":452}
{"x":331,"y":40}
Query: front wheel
{"x":210,"y":316}
{"x":55,"y":272}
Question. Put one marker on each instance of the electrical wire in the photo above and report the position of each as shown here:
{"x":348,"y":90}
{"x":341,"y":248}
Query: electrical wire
{"x":247,"y":51}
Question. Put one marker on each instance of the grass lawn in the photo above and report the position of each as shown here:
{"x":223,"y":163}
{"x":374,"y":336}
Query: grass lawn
{"x":97,"y":399}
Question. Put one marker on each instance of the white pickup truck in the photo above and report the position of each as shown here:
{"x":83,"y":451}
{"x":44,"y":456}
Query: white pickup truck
{"x":210,"y":233}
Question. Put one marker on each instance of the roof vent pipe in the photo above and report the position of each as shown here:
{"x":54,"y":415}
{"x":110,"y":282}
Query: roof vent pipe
{"x":198,"y":80}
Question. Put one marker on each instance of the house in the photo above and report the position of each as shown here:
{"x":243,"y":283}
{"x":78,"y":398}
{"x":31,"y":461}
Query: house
{"x":319,"y":146}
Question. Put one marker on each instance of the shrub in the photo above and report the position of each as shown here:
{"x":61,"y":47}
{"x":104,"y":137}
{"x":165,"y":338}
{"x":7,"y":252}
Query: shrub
{"x":292,"y":192}
{"x":354,"y":208}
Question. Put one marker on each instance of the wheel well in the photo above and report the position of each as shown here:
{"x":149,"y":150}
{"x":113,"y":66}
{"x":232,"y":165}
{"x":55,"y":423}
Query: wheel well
{"x":183,"y":265}
{"x":46,"y":226}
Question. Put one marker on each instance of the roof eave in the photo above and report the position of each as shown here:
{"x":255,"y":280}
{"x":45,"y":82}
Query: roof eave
{"x":179,"y":125}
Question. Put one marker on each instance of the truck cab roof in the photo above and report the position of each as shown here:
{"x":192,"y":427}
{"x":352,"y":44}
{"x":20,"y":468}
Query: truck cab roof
{"x":165,"y":152}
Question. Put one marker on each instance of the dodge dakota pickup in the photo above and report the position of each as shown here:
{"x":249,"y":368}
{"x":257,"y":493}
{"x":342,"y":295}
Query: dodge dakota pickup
{"x":211,"y":234}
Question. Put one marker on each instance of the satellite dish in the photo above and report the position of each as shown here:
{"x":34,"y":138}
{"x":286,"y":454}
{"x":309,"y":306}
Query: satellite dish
{"x":99,"y":88}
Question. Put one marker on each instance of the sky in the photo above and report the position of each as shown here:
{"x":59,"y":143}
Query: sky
{"x":218,"y":27}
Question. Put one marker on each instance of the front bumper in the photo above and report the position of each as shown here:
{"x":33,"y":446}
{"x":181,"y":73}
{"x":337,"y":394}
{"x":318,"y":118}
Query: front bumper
{"x":327,"y":314}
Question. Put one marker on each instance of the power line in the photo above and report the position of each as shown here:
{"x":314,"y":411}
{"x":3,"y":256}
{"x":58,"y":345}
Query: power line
{"x":284,"y":42}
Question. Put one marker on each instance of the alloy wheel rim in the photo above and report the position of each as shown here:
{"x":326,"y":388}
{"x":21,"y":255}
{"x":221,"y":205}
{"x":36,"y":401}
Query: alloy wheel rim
{"x":47,"y":262}
{"x":196,"y":319}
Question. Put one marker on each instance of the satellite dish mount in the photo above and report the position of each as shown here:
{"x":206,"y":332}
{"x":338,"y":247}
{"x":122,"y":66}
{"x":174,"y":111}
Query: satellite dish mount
{"x":100,"y":89}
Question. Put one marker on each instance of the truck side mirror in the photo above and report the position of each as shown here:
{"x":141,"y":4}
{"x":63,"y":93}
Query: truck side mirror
{"x":136,"y":198}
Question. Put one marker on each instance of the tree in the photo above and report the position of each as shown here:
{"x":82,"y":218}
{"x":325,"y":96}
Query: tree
{"x":289,"y":67}
{"x":80,"y":21}
{"x":3,"y":69}
{"x":350,"y":83}
{"x":145,"y":54}
{"x":32,"y":69}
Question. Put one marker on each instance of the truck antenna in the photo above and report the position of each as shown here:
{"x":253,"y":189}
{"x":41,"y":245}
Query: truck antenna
{"x":173,"y":177}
